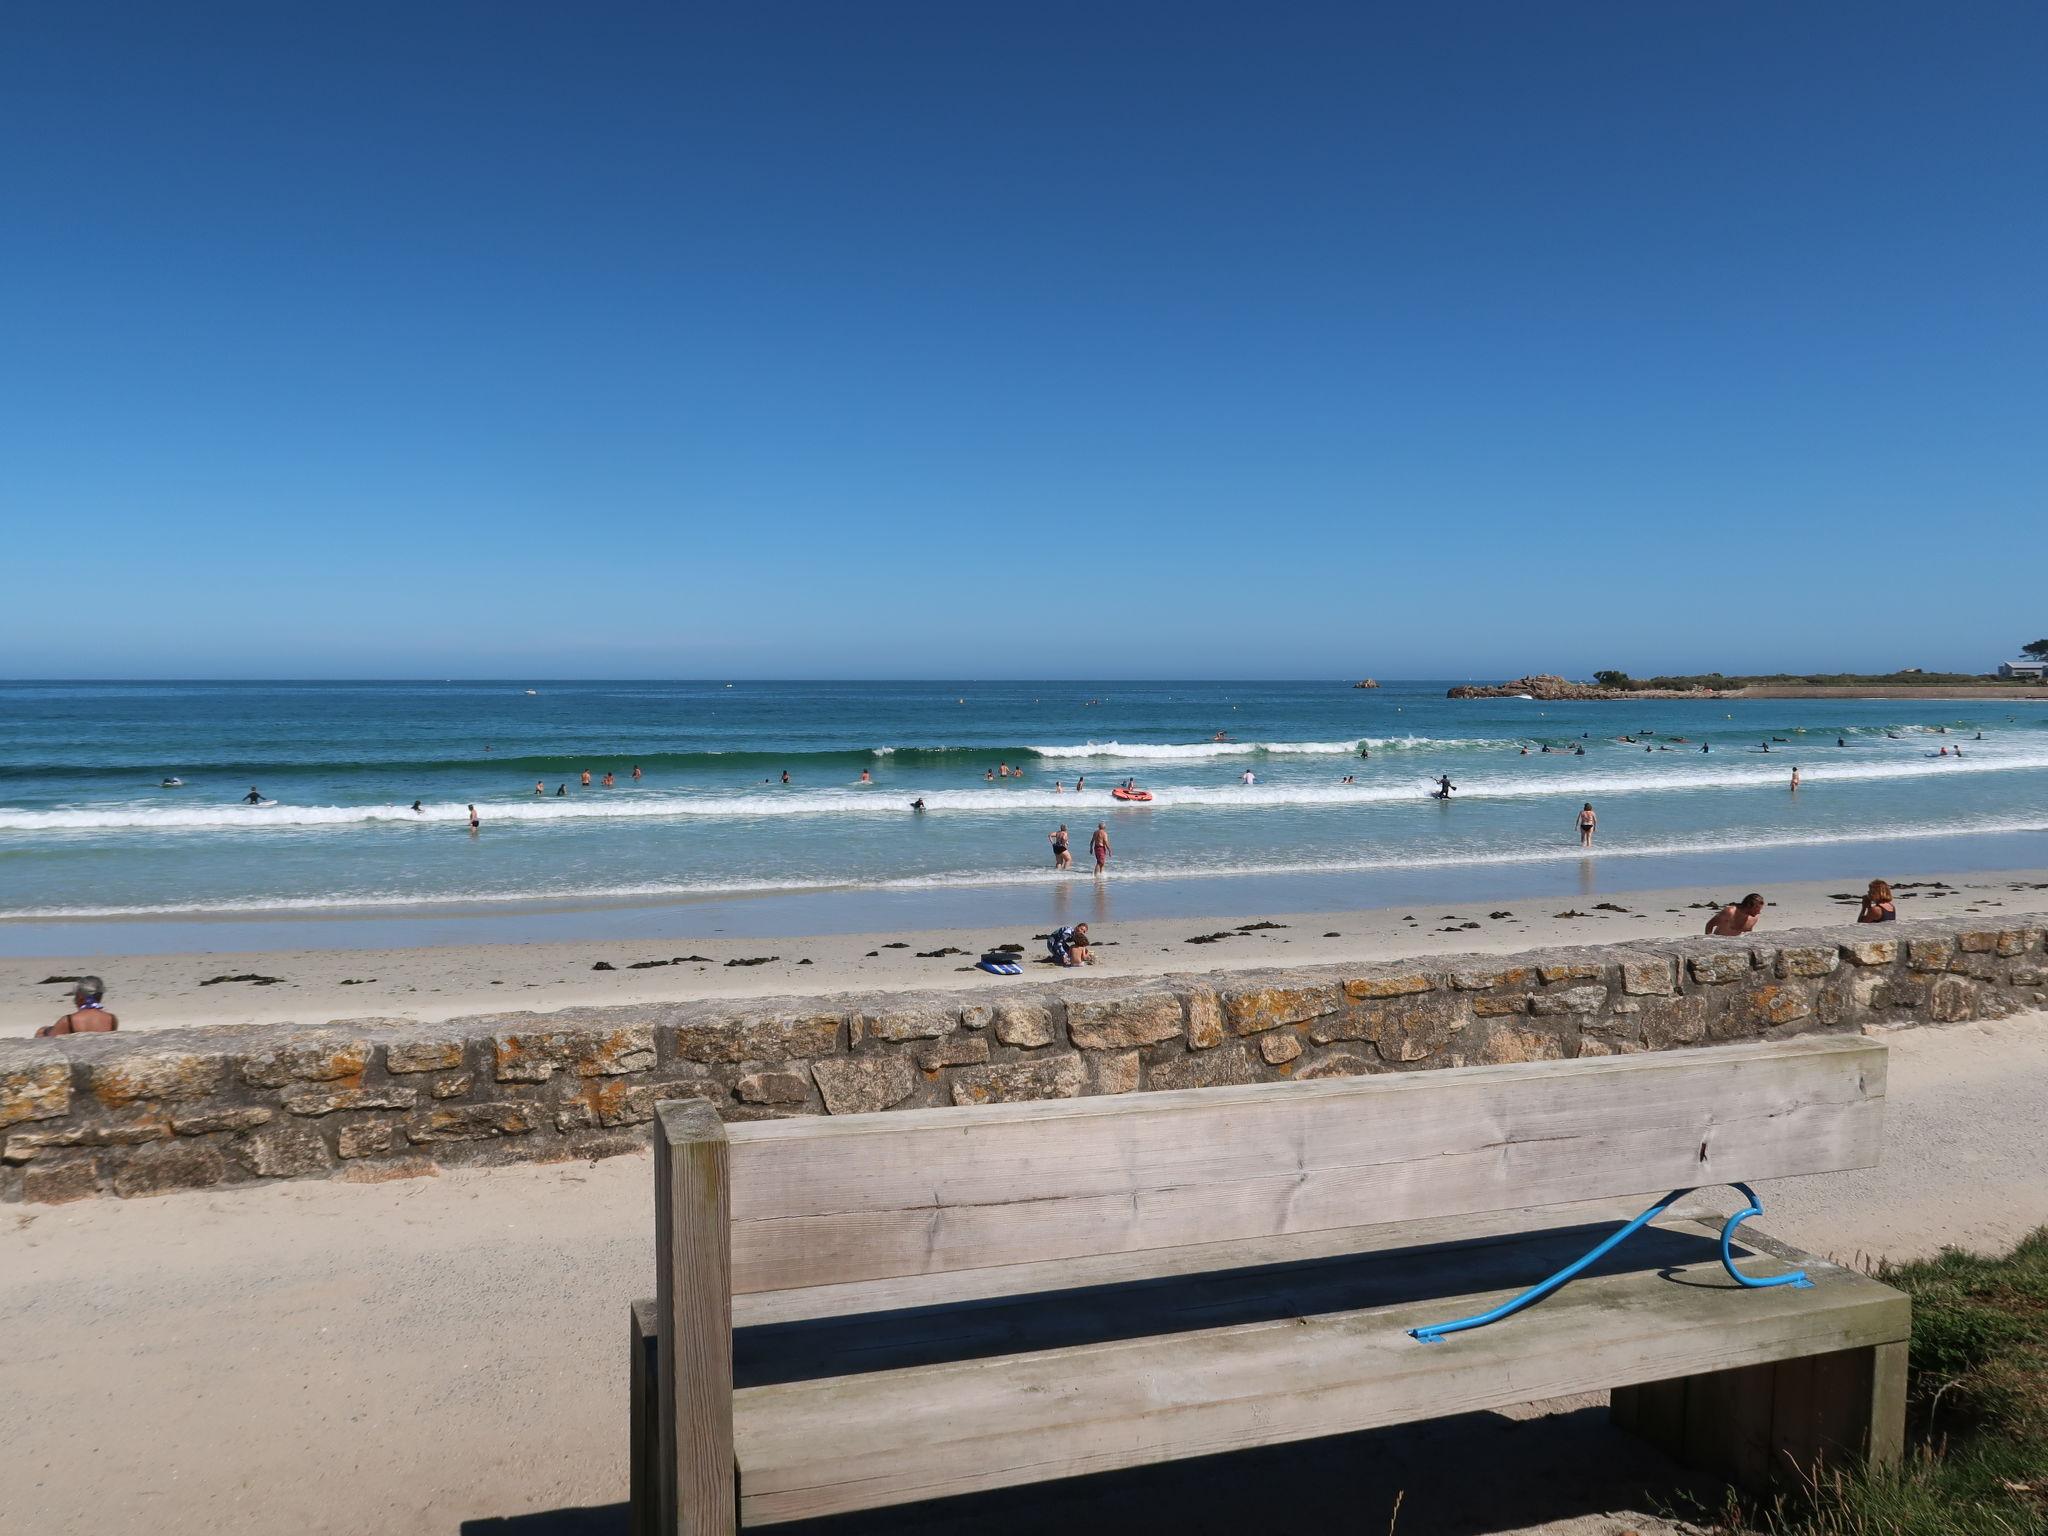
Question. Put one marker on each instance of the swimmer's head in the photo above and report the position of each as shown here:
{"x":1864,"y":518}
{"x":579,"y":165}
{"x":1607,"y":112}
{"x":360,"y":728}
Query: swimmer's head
{"x":90,"y":989}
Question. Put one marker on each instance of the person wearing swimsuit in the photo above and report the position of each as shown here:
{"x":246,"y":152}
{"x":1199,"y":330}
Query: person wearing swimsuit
{"x":1062,"y":857}
{"x":1878,"y":906}
{"x":1099,"y":846}
{"x":1587,"y":822}
{"x":89,"y":1017}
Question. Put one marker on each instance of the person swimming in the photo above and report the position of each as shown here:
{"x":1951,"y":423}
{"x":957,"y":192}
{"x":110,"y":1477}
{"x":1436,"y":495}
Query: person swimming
{"x":416,"y":809}
{"x":865,"y":777}
{"x":917,"y":805}
{"x":562,"y":790}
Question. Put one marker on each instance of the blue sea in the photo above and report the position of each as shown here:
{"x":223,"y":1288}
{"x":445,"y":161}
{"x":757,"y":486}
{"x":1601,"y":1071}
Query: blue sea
{"x":89,"y":834}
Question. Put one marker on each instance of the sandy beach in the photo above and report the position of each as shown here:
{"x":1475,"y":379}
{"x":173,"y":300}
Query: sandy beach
{"x":312,"y":985}
{"x":447,"y":1355}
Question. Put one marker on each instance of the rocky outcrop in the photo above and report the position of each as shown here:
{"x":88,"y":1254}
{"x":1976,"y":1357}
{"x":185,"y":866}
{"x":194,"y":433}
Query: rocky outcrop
{"x":1366,"y":682}
{"x":1549,"y":686}
{"x":169,"y":1110}
{"x":1542,"y":686}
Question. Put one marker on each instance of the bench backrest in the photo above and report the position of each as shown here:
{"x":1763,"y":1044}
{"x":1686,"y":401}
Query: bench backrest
{"x":828,"y":1201}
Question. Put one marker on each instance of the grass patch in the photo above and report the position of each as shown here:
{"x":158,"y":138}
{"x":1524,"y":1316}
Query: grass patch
{"x":1976,"y":1459}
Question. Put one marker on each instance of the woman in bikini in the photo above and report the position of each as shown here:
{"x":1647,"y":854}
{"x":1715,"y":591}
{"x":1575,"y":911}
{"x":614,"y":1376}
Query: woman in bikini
{"x":88,"y":1016}
{"x":1587,"y":822}
{"x":1878,"y":906}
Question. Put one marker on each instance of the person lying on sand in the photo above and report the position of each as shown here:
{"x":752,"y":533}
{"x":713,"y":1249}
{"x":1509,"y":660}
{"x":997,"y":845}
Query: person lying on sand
{"x":88,"y":1017}
{"x":1737,"y":918}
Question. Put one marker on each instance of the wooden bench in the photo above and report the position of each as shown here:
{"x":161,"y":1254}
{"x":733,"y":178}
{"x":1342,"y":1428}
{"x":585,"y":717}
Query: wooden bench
{"x":864,"y":1311}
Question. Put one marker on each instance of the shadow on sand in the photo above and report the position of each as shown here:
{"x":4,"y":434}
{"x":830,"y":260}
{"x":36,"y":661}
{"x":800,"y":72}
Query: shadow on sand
{"x":1469,"y":1476}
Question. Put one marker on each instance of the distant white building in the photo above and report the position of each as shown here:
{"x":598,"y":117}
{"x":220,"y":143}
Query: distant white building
{"x":2034,"y":671}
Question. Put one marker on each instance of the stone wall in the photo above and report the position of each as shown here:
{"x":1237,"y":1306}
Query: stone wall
{"x":148,"y":1113}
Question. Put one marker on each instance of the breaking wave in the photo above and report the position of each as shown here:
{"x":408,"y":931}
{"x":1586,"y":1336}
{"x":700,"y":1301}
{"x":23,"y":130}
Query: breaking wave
{"x":1556,"y":777}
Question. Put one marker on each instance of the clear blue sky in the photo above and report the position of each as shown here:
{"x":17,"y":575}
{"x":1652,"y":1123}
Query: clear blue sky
{"x":1051,"y":339}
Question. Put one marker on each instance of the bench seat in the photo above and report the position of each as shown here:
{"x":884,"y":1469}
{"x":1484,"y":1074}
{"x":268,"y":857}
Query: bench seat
{"x":838,"y":1414}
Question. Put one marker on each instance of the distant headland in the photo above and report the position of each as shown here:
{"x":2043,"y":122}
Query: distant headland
{"x":1909,"y":684}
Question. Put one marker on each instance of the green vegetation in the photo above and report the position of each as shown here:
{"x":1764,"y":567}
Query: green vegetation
{"x":1716,"y":680}
{"x":2038,"y":649}
{"x":1977,"y":1413}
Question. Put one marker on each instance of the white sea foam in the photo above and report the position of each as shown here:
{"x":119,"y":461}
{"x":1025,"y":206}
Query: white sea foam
{"x":1582,"y":778}
{"x":1174,"y":752}
{"x":1457,"y":858}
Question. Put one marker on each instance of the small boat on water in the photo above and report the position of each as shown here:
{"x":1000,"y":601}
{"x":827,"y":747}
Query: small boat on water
{"x":1138,"y":796}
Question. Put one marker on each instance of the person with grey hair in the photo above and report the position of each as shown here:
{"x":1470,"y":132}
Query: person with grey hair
{"x":89,"y":1016}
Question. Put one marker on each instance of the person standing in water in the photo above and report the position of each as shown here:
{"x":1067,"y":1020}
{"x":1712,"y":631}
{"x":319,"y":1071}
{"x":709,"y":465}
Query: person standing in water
{"x":1062,"y":856}
{"x":539,"y":788}
{"x":636,"y":770}
{"x":1444,"y":786}
{"x":1795,"y":780}
{"x":1587,"y":822}
{"x":474,"y":823}
{"x":1099,"y":846}
{"x":254,"y":797}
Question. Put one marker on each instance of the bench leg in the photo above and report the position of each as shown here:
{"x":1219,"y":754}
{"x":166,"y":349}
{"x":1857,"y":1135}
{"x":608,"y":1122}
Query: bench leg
{"x":644,"y":1412}
{"x":1761,"y":1424}
{"x":693,"y":1313}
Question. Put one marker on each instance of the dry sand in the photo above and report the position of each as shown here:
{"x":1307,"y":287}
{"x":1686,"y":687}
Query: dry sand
{"x":315,"y":985}
{"x":447,"y":1355}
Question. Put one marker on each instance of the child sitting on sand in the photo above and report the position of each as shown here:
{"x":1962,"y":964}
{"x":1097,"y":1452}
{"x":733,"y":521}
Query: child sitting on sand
{"x":1069,"y":946}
